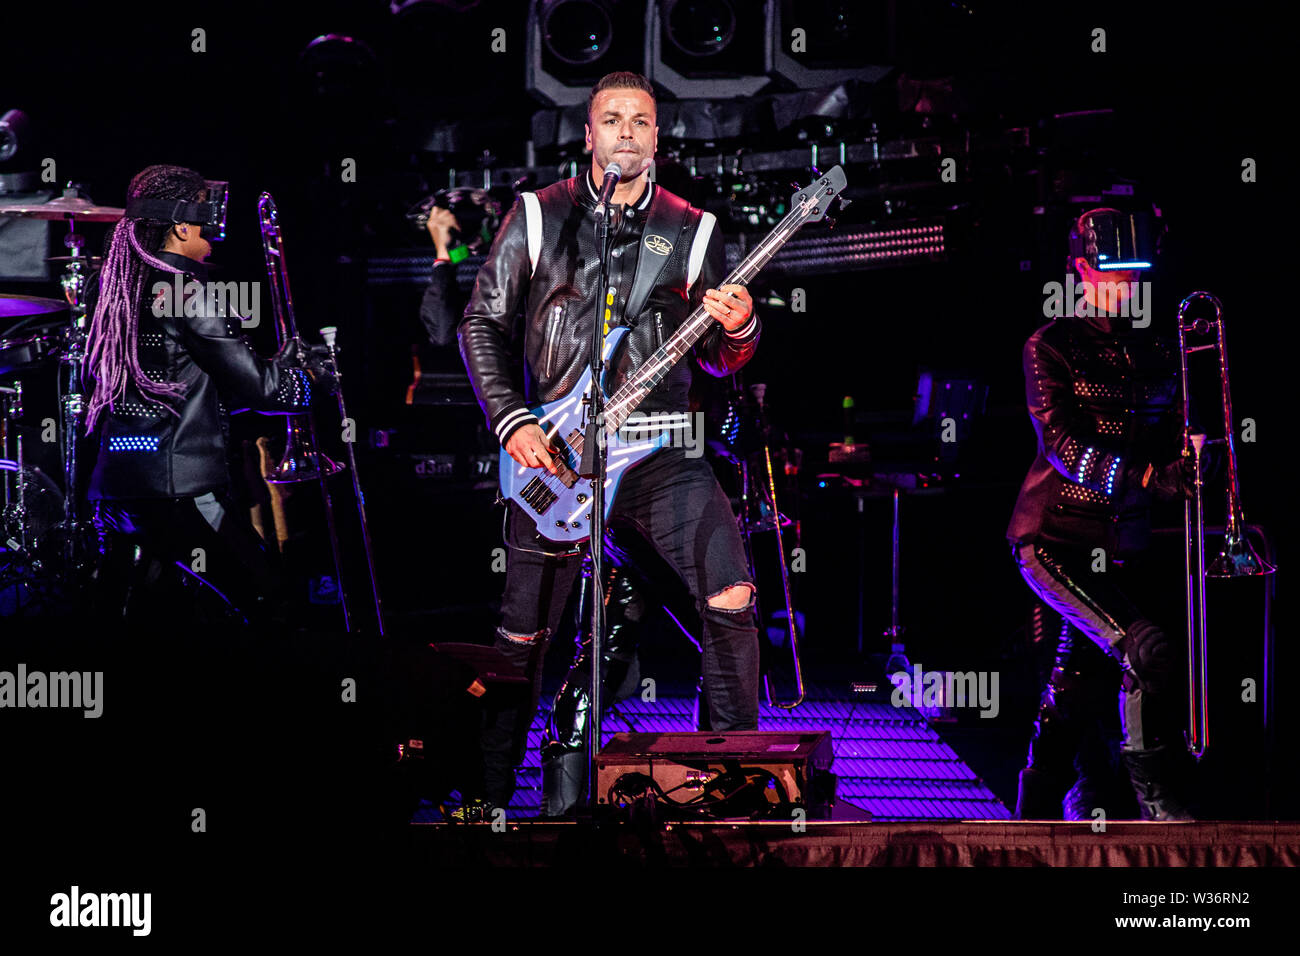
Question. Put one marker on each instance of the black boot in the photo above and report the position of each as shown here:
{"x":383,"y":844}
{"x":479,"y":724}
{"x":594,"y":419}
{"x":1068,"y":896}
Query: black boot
{"x":1094,"y":788}
{"x":1150,"y":771}
{"x":564,"y":780}
{"x":1039,"y":797}
{"x":1099,"y":784}
{"x":507,"y":714}
{"x":1055,"y":742}
{"x":564,"y":750}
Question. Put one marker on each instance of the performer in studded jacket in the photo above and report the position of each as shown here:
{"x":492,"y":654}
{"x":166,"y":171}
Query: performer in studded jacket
{"x":166,"y":368}
{"x":1104,"y":400}
{"x":545,"y":259}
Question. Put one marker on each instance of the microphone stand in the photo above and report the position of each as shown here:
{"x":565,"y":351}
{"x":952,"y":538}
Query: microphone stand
{"x":75,"y":532}
{"x":593,"y":466}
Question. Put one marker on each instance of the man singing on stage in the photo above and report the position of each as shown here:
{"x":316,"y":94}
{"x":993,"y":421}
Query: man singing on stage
{"x":545,"y":259}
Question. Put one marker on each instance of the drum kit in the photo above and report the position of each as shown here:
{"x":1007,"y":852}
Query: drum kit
{"x":43,"y":539}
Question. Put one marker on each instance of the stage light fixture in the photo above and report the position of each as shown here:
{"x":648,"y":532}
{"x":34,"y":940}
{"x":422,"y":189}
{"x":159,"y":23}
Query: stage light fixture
{"x":13,"y":131}
{"x":336,"y":68}
{"x":707,"y":48}
{"x":573,"y":43}
{"x":700,"y":28}
{"x":577,"y":32}
{"x":818,"y":43}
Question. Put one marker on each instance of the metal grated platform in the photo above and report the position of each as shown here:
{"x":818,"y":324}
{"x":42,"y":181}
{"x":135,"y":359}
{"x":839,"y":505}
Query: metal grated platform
{"x":889,"y":760}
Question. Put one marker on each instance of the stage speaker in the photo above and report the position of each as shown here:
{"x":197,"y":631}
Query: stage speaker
{"x":751,"y":774}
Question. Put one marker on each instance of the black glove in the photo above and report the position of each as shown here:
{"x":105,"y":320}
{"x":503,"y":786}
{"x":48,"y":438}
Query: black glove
{"x":318,"y":361}
{"x":289,"y":355}
{"x":1177,"y":479}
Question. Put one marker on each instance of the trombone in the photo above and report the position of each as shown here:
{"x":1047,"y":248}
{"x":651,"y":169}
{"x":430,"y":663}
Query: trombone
{"x":1237,"y":559}
{"x":302,"y":459}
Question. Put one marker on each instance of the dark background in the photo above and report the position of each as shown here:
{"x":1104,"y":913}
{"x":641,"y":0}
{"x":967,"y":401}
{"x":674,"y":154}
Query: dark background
{"x":113,"y":89}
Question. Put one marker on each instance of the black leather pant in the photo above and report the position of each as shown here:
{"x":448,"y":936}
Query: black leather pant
{"x":1096,"y":605}
{"x":1073,"y":751}
{"x":171,"y":560}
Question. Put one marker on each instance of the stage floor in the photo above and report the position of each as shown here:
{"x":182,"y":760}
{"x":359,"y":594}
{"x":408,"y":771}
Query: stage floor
{"x":967,"y":843}
{"x":889,"y":761}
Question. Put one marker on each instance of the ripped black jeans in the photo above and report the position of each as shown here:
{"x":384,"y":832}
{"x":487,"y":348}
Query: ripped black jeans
{"x":676,"y":504}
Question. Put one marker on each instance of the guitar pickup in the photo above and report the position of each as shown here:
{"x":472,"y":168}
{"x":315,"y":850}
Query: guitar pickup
{"x":538,"y":496}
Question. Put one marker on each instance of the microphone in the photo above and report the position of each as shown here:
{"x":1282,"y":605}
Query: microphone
{"x":613,"y":173}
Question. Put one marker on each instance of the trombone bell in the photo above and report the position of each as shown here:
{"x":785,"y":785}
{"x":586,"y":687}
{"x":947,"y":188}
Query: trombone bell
{"x":1238,"y":560}
{"x":301,"y":460}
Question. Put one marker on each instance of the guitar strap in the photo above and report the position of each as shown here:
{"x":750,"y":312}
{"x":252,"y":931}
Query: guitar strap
{"x":665,"y":224}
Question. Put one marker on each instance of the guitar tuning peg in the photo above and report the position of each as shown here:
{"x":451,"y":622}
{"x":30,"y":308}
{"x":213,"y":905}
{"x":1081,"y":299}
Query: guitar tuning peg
{"x":845,"y":203}
{"x":830,"y":222}
{"x":795,"y":186}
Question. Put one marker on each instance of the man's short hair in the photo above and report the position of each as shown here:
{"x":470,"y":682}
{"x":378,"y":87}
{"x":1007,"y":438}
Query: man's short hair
{"x":622,"y":80}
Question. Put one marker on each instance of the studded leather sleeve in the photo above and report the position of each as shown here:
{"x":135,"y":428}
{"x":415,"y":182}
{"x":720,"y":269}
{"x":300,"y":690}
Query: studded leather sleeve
{"x":245,"y":378}
{"x":1068,"y":438}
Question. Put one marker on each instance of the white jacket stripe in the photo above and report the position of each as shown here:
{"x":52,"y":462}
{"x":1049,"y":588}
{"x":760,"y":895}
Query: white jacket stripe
{"x":699,"y":247}
{"x":533,"y":219}
{"x":509,"y":421}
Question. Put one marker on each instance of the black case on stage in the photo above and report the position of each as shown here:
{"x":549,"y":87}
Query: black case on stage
{"x":683,"y":764}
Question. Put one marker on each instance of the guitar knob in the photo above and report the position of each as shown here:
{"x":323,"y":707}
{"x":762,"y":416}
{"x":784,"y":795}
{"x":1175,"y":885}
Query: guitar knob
{"x":577,"y":524}
{"x":582,"y":499}
{"x":559,"y":524}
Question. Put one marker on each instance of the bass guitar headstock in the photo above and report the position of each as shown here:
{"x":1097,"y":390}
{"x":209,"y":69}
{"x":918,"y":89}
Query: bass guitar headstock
{"x":814,"y":201}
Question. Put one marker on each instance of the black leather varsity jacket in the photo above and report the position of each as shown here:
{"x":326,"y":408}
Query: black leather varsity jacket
{"x":147,"y":452}
{"x":665,"y":254}
{"x":1104,"y":405}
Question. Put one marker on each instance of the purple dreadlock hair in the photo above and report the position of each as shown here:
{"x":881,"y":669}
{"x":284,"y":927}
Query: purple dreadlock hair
{"x":114,"y":329}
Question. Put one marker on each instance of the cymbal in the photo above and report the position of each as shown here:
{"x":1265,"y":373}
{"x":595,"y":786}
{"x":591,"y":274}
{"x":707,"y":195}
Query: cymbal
{"x":94,"y":261}
{"x":17,"y":306}
{"x":63,"y":208}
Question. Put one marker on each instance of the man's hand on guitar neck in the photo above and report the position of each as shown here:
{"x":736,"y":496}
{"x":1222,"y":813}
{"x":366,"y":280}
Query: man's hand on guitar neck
{"x":731,"y":305}
{"x":529,"y":447}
